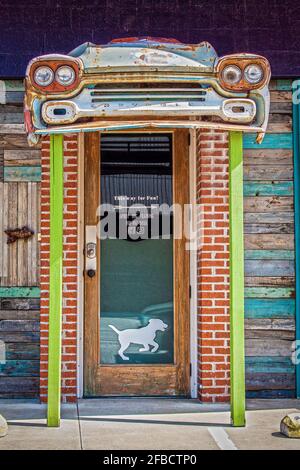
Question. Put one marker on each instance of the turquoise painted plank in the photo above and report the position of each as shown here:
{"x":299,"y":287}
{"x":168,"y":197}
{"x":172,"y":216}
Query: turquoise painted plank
{"x":22,"y":351}
{"x":22,"y":173}
{"x":296,"y":153}
{"x":270,"y":254}
{"x":284,"y":85}
{"x":19,"y":292}
{"x":271,"y":141}
{"x":269,"y":308}
{"x":266,"y":268}
{"x":14,"y":85}
{"x":272,"y":364}
{"x":278,"y":188}
{"x":20,"y":368}
{"x":269,"y":292}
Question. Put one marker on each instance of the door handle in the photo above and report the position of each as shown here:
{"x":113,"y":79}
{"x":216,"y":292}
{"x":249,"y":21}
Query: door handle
{"x":91,"y":250}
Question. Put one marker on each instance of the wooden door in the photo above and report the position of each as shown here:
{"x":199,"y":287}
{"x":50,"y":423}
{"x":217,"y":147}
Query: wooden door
{"x":139,"y":373}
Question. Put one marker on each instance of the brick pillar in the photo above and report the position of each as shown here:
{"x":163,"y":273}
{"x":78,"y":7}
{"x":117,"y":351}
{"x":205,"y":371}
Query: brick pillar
{"x":70,"y":268}
{"x":213,"y":266}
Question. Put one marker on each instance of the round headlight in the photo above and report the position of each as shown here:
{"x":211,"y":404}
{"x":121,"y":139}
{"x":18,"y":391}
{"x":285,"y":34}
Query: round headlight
{"x":43,"y":76}
{"x":65,"y":75}
{"x":253,"y":73}
{"x":232,"y":74}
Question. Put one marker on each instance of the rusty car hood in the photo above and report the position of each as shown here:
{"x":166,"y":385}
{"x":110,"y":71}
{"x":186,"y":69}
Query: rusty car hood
{"x":146,"y":53}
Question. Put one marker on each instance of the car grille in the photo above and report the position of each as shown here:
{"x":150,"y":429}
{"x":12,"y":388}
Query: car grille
{"x":144,"y":92}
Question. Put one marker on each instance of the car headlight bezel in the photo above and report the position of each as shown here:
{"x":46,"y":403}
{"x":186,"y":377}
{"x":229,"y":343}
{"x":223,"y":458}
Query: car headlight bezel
{"x":55,"y":64}
{"x":243,"y":62}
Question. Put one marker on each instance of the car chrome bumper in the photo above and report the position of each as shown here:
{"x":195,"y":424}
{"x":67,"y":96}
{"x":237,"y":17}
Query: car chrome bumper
{"x":230,"y":110}
{"x":97,"y":103}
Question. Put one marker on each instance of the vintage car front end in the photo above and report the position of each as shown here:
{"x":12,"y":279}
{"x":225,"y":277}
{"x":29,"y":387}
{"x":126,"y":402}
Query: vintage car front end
{"x":146,"y":82}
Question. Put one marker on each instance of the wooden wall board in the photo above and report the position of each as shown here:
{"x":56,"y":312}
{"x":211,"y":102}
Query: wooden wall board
{"x":264,"y":394}
{"x":270,"y":252}
{"x":32,"y":292}
{"x":287,"y":323}
{"x":269,"y":308}
{"x":266,"y":364}
{"x":271,"y":347}
{"x":269,"y":292}
{"x":19,"y":387}
{"x":269,"y":242}
{"x":270,"y":381}
{"x":271,"y":141}
{"x":267,"y":268}
{"x":20,"y":368}
{"x":268,"y":188}
{"x":22,"y":351}
{"x":22,"y":173}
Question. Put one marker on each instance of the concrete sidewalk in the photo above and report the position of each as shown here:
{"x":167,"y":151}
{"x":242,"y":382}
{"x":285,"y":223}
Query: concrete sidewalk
{"x":146,"y":423}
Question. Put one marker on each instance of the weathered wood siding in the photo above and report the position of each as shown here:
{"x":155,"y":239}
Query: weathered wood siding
{"x":269,"y":253}
{"x":19,"y":262}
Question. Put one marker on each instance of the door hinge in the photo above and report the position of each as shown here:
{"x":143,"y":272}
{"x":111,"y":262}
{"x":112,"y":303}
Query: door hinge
{"x":190,"y":291}
{"x":189,"y":138}
{"x":190,"y":369}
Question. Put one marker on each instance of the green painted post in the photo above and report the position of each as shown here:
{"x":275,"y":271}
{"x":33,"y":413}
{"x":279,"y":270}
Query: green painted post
{"x":296,"y":151}
{"x":237,"y":349}
{"x":55,"y":296}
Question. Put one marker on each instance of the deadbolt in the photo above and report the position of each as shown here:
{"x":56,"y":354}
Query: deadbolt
{"x":91,"y":273}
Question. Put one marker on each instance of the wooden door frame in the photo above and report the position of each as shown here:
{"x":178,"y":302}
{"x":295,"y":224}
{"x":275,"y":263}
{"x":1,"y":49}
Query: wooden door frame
{"x":91,"y":285}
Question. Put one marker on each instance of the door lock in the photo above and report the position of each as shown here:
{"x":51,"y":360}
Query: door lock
{"x":91,"y":250}
{"x":91,"y":273}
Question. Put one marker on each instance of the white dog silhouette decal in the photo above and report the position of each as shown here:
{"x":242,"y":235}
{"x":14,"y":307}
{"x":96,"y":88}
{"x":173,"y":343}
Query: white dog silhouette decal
{"x":145,"y":336}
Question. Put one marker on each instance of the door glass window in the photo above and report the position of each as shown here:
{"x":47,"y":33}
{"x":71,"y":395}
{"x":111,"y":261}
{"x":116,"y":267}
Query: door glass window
{"x":136,"y":256}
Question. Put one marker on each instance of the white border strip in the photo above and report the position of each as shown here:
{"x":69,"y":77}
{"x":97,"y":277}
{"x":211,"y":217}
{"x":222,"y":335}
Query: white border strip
{"x":80,"y":289}
{"x":193,"y":270}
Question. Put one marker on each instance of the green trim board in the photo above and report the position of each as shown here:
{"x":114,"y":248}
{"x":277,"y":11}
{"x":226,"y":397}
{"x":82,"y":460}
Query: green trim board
{"x":296,"y":149}
{"x":55,"y":294}
{"x":237,"y":347}
{"x":271,"y":141}
{"x":20,"y":292}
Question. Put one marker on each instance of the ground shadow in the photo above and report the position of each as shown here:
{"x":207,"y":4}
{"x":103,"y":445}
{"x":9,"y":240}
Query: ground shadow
{"x":159,"y":422}
{"x":278,"y":434}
